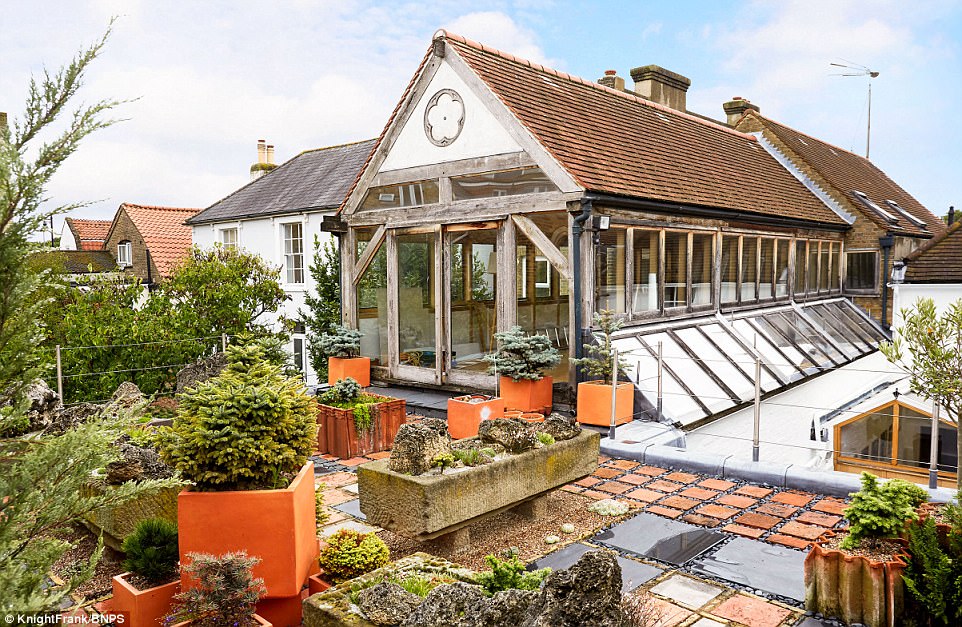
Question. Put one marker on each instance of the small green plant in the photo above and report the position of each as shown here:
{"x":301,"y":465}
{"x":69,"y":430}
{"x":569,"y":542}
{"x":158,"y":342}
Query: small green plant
{"x":349,"y":554}
{"x":320,"y":512}
{"x":597,"y":361}
{"x":472,"y":456}
{"x":348,"y":394}
{"x":443,"y":460}
{"x":344,"y":391}
{"x":509,"y":574}
{"x":522,"y":356}
{"x":934,"y":575}
{"x":225,"y":594}
{"x":341,"y":342}
{"x":546,"y":439}
{"x":879,"y":511}
{"x":151,"y":550}
{"x":489,"y":452}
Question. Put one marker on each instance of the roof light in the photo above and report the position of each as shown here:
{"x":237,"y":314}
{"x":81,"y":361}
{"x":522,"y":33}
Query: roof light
{"x":905,"y":214}
{"x":874,"y":207}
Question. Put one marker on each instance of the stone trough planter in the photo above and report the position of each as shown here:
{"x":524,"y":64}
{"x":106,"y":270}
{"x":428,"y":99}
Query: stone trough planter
{"x":119,"y":521}
{"x":425,"y":507}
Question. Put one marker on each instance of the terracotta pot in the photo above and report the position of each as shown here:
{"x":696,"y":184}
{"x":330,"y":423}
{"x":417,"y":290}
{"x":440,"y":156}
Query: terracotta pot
{"x":941,"y":529}
{"x":513,"y":413}
{"x":260,"y":621}
{"x":594,"y":403}
{"x":358,"y":368}
{"x":854,"y":588}
{"x":341,"y":437}
{"x":316,"y":583}
{"x":527,"y":395}
{"x":277,"y":526}
{"x":283,"y":611}
{"x":144,"y":608}
{"x":464,"y":417}
{"x":532,"y":417}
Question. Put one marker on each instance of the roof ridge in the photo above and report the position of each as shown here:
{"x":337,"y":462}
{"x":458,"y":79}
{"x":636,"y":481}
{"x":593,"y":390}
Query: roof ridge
{"x":344,"y":145}
{"x":443,"y":34}
{"x":935,"y":241}
{"x":158,"y":207}
{"x":819,"y":140}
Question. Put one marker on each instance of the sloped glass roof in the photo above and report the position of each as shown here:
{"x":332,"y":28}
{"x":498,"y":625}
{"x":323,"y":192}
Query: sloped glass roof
{"x":709,"y":362}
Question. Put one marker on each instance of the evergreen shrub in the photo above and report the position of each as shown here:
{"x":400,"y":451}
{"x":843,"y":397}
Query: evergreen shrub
{"x":522,"y":356}
{"x":347,"y":394}
{"x":225,"y":594}
{"x":509,"y":574}
{"x":350,"y":554}
{"x":341,"y":341}
{"x":597,"y":361}
{"x":879,"y":511}
{"x":152,"y":551}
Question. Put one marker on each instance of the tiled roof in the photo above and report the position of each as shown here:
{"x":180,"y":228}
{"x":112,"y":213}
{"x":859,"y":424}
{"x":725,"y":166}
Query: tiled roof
{"x":90,"y":234}
{"x":618,"y":143}
{"x":938,"y":261}
{"x":847,"y":172}
{"x":314,"y":179}
{"x":165,"y":233}
{"x":78,"y":261}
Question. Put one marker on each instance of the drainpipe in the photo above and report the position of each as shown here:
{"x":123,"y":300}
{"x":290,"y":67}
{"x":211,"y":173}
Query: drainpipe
{"x":576,"y":230}
{"x":150,"y":280}
{"x":886,"y":243}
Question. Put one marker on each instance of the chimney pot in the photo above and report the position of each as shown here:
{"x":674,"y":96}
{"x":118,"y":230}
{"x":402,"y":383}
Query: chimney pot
{"x":611,"y":72}
{"x":662,"y":86}
{"x":736,"y":108}
{"x":612,"y":80}
{"x":951,"y":215}
{"x":270,"y":154}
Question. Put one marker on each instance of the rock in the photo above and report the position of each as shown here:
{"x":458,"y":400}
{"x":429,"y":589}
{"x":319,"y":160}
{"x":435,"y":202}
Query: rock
{"x":123,"y":471}
{"x":387,"y":603}
{"x":75,"y":415}
{"x":137,"y":463}
{"x":560,"y":427}
{"x":41,"y":403}
{"x":567,"y":528}
{"x":505,"y":609}
{"x":201,"y":370}
{"x":437,"y":424}
{"x":515,"y":436}
{"x":126,"y":396}
{"x":551,"y":539}
{"x":588,"y":593}
{"x":415,"y":445}
{"x":446,"y":606}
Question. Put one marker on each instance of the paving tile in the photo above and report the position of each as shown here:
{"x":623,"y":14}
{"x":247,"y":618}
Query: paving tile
{"x":603,"y":458}
{"x":741,"y":530}
{"x":667,"y":512}
{"x":623,"y":464}
{"x":346,"y":524}
{"x":645,"y":495}
{"x":614,"y":487}
{"x":664,"y":486}
{"x":734,"y":500}
{"x":759,"y":521}
{"x":809,"y":532}
{"x":670,"y":614}
{"x":682,"y":477}
{"x":334,"y":516}
{"x":702,"y":520}
{"x":686,"y":591}
{"x":379,"y":455}
{"x":351,"y":487}
{"x":647,"y":535}
{"x":635,"y":479}
{"x":776,"y":509}
{"x":598,"y":496}
{"x":830,"y":506}
{"x":717,"y":511}
{"x":717,"y":484}
{"x":352,"y":508}
{"x":798,"y":499}
{"x":336,"y":479}
{"x":707,"y":622}
{"x":570,"y":487}
{"x":654,"y":471}
{"x":753,"y":490}
{"x":587,"y":482}
{"x":607,"y":473}
{"x":789,"y":541}
{"x":336,"y":497}
{"x":354,"y":461}
{"x":758,"y":565}
{"x":815,"y":518}
{"x":633,"y":572}
{"x":751,"y":611}
{"x":679,"y":502}
{"x":699,"y":493}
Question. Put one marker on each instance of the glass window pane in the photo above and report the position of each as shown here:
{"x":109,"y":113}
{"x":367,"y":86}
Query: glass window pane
{"x":801,"y":257}
{"x":497,"y":184}
{"x":676,"y":269}
{"x":744,"y":360}
{"x":915,"y":441}
{"x":781,"y":268}
{"x":716,"y":362}
{"x":410,"y":194}
{"x":729,"y":269}
{"x":824,"y":269}
{"x":642,"y":370}
{"x":836,"y":259}
{"x":766,"y":274}
{"x":811,"y":276}
{"x":869,"y":437}
{"x":677,"y":403}
{"x":771,"y":325}
{"x":749,"y":268}
{"x":416,"y":330}
{"x":474,"y":264}
{"x":372,"y":302}
{"x":860,"y":270}
{"x":836,"y":329}
{"x":645,"y":281}
{"x":770,"y":356}
{"x":692,"y":373}
{"x":809,"y":339}
{"x":701,"y":265}
{"x":610,"y":271}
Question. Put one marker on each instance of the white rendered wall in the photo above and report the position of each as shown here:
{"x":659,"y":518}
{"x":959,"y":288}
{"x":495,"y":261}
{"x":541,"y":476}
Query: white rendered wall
{"x":67,"y":241}
{"x":905,"y":295}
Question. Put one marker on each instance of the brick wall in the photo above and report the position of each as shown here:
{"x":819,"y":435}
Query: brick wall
{"x":125,"y":229}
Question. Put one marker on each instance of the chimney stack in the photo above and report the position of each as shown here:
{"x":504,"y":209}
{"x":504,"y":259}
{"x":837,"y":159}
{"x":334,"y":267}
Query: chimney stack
{"x":951,"y":216}
{"x":611,"y":79}
{"x":270,"y":154}
{"x":662,"y":86}
{"x":265,"y":160}
{"x":261,"y":151}
{"x":736,"y":108}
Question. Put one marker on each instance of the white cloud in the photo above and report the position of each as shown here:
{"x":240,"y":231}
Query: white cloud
{"x":499,"y":31}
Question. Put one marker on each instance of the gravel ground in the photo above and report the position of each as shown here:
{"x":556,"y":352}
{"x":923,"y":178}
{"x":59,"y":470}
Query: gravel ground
{"x":84,"y":543}
{"x":493,"y":535}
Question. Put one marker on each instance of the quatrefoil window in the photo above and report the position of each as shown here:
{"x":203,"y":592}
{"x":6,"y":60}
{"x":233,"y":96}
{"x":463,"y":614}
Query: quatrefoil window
{"x":444,"y":117}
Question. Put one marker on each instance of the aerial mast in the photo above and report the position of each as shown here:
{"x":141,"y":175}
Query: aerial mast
{"x":861,"y":70}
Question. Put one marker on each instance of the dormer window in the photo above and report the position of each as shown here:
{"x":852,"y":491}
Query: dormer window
{"x":865,"y":200}
{"x":124,"y":254}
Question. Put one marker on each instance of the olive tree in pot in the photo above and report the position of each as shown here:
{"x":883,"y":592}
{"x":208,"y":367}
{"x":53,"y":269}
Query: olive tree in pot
{"x":521,"y":362}
{"x":857,"y":576}
{"x":343,"y":349}
{"x":147,"y":589}
{"x":594,"y":395}
{"x":226,"y":593}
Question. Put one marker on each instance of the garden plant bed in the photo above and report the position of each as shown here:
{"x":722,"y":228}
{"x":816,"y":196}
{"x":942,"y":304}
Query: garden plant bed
{"x":84,"y":544}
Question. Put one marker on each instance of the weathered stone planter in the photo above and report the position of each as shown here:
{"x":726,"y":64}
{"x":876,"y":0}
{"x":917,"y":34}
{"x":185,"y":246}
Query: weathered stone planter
{"x":337,"y":434}
{"x":427,"y":506}
{"x":853,"y":588}
{"x":119,"y":521}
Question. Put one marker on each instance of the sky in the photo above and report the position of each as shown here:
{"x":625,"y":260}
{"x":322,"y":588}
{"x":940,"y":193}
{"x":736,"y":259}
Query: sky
{"x":204,"y":80}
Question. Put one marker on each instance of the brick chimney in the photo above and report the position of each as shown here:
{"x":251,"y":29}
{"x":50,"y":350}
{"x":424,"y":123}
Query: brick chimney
{"x":611,"y":79}
{"x":265,"y":160}
{"x":736,"y":108}
{"x":270,"y":154}
{"x":662,"y":86}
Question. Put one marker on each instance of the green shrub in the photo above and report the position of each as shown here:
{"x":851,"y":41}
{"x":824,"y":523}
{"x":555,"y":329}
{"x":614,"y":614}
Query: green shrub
{"x":880,"y":511}
{"x":443,"y":460}
{"x":320,"y":512}
{"x":522,"y":356}
{"x":349,"y":554}
{"x":545,"y":438}
{"x":597,"y":361}
{"x":933,"y":576}
{"x":341,"y":342}
{"x":247,"y":428}
{"x":225,"y":594}
{"x":347,"y":394}
{"x":473,"y":456}
{"x":151,"y":550}
{"x":509,"y":574}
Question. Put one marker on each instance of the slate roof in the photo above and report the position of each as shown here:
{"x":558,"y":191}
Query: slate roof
{"x":618,"y":143}
{"x":89,"y":234}
{"x":78,"y":261}
{"x":164,"y":232}
{"x":314,"y":179}
{"x":939,"y":260}
{"x":847,"y":171}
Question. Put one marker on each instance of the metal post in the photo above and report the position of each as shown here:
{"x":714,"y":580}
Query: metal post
{"x":59,"y":376}
{"x":934,"y":450}
{"x":661,"y":363}
{"x":614,"y":391}
{"x":758,"y":407}
{"x":223,"y":342}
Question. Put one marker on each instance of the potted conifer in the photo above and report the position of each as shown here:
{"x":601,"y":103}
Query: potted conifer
{"x":146,"y":591}
{"x":521,"y":362}
{"x":343,"y":349}
{"x":857,"y":575}
{"x":594,"y":395}
{"x":352,"y":422}
{"x":225,"y":593}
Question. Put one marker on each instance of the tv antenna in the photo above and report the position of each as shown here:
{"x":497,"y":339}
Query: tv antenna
{"x":860,"y":70}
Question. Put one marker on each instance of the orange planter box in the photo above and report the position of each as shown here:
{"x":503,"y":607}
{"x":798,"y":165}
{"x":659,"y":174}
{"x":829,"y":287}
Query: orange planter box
{"x":464,"y":417}
{"x":261,"y":622}
{"x":594,"y":403}
{"x":277,"y":526}
{"x":283,"y":611}
{"x":316,"y":584}
{"x":337,"y":434}
{"x":358,"y":368}
{"x":527,"y":395}
{"x":144,"y":608}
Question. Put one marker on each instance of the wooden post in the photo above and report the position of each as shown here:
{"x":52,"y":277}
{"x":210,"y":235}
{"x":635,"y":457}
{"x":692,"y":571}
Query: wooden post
{"x":59,"y":375}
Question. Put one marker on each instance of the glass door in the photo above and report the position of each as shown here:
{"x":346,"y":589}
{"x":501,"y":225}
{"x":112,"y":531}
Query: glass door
{"x":416,"y":299}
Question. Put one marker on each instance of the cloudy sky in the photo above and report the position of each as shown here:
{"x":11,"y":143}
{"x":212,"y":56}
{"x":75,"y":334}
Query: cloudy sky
{"x":210,"y":78}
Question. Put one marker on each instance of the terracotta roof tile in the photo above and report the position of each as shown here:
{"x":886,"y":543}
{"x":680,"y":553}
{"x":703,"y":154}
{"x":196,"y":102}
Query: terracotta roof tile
{"x":166,"y":236}
{"x":90,"y":234}
{"x":938,"y":261}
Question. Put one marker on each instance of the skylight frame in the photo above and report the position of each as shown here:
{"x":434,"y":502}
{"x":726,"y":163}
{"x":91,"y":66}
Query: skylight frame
{"x":872,"y":206}
{"x":905,"y":214}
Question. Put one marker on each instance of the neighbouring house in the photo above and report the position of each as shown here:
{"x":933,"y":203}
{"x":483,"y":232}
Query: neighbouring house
{"x":82,"y":234}
{"x":933,"y":271}
{"x":148,"y":241}
{"x":80,"y":265}
{"x":505,"y":193}
{"x":278,"y":216}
